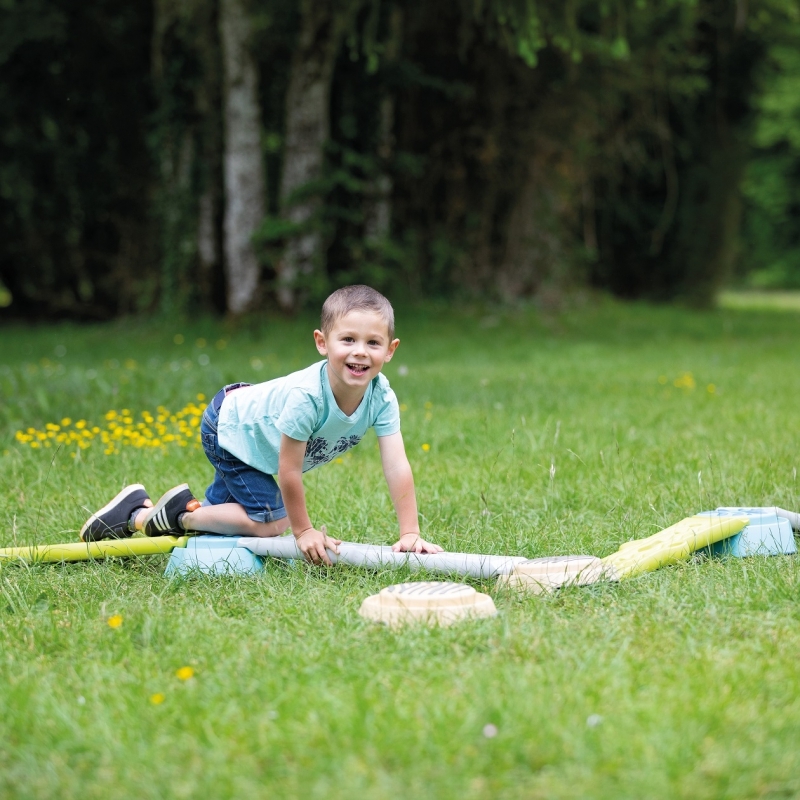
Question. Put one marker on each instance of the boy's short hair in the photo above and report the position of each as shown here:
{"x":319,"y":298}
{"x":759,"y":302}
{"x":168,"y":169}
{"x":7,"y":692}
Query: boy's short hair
{"x":355,"y":298}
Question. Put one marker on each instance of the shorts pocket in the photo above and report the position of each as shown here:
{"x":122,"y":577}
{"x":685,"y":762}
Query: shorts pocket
{"x":209,"y":441}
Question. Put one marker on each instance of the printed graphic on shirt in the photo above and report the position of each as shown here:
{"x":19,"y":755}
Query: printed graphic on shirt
{"x":319,"y":452}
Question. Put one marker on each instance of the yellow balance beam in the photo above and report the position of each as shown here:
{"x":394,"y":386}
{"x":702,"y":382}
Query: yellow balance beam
{"x":88,"y":551}
{"x":669,"y":546}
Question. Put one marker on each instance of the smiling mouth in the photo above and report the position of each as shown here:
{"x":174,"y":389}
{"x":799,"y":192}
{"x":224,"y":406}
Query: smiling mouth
{"x":357,"y":369}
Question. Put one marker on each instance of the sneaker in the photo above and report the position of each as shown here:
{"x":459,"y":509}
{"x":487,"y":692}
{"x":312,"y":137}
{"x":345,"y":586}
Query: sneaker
{"x":162,"y":518}
{"x":111,"y":521}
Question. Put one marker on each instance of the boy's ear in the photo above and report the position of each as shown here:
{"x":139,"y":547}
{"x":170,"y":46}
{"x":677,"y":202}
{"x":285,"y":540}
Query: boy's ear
{"x":319,"y":341}
{"x":392,"y":347}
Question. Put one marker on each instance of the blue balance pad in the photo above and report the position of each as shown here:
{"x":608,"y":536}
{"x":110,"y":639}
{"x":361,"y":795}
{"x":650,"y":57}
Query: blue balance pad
{"x":214,"y":555}
{"x":766,"y":535}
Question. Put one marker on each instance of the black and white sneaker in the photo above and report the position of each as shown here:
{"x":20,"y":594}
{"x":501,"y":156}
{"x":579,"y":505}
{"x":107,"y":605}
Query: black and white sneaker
{"x":162,"y":518}
{"x":111,"y":521}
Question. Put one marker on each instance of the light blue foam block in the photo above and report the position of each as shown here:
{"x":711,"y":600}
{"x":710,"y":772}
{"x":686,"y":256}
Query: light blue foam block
{"x":767,"y":534}
{"x":214,"y":555}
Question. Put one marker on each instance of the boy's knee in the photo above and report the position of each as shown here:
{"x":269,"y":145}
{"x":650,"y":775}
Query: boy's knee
{"x":266,"y":529}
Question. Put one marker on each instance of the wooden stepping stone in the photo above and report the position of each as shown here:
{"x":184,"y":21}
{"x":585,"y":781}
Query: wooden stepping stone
{"x":428,"y":602}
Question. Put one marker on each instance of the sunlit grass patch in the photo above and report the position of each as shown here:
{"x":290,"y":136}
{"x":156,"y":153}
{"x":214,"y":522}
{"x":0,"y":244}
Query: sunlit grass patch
{"x":752,"y":300}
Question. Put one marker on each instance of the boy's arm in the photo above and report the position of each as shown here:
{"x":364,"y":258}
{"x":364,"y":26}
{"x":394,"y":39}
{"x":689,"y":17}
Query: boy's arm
{"x":401,"y":489}
{"x":312,"y":543}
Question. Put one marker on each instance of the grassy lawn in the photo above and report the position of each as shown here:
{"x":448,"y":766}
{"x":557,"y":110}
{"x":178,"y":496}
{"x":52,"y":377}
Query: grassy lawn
{"x":529,"y":435}
{"x":753,"y":300}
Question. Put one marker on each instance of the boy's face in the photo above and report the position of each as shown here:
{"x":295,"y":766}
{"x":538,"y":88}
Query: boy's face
{"x":357,"y":347}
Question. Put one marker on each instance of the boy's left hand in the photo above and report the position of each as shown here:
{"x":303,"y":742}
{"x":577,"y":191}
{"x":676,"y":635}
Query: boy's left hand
{"x":414,"y":543}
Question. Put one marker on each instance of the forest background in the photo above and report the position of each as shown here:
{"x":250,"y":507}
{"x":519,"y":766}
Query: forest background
{"x":225,"y":155}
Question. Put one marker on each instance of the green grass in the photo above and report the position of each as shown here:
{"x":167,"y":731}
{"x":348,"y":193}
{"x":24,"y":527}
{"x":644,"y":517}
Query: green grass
{"x":754,"y":300}
{"x":548,"y":435}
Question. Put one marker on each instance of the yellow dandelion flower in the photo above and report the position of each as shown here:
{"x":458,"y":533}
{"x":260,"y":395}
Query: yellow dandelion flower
{"x":157,"y":699}
{"x":52,"y":427}
{"x":201,"y":398}
{"x":184,"y":673}
{"x":685,"y":381}
{"x":115,"y":621}
{"x":111,"y":415}
{"x":426,"y":447}
{"x":66,"y":421}
{"x":80,"y":424}
{"x":403,"y":407}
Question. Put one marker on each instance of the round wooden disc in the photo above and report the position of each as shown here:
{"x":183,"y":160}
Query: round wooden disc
{"x":431,"y":602}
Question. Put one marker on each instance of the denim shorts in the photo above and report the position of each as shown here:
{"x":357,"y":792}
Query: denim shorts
{"x":234,"y":481}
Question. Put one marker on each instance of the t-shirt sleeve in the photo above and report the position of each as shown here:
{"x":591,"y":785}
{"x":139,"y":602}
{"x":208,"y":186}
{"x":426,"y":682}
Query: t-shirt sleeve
{"x":387,"y":412}
{"x":299,"y":416}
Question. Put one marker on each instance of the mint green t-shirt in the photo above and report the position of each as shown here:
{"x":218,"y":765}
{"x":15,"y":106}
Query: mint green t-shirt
{"x":301,"y":405}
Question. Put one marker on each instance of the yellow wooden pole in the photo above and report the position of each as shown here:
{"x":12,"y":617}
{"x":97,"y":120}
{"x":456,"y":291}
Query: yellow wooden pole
{"x":88,"y":551}
{"x":671,"y":545}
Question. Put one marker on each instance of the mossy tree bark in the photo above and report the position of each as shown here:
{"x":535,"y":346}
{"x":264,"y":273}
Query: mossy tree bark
{"x":307,"y":129}
{"x":243,"y":166}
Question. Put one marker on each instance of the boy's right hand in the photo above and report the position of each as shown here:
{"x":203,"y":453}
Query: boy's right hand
{"x":313,"y":544}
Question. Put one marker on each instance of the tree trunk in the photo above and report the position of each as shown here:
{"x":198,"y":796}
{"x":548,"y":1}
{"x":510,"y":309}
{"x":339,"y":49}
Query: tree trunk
{"x":534,"y":250}
{"x":306,"y":131}
{"x":210,"y":275}
{"x":378,"y":210}
{"x":242,"y":162}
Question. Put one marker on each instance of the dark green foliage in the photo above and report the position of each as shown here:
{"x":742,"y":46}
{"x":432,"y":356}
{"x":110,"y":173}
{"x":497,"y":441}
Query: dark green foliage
{"x":771,"y":235}
{"x":672,"y":221}
{"x":498,"y":149}
{"x":185,"y":138}
{"x":74,"y":172}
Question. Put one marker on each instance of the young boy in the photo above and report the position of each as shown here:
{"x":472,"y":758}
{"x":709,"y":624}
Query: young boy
{"x":285,"y":427}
